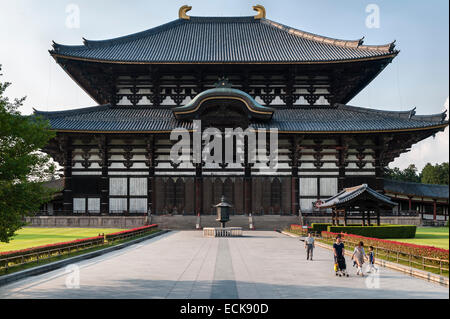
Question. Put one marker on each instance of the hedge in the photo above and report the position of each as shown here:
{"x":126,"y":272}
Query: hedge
{"x":412,"y":249}
{"x":320,"y":227}
{"x":386,"y":231}
{"x":144,"y":229}
{"x":93,"y":240}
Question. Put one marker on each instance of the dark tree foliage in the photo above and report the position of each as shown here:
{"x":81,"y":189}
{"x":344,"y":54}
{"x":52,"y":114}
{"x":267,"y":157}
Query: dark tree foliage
{"x":435,"y":174}
{"x":431,"y":174}
{"x":409,"y":174}
{"x":23,"y":169}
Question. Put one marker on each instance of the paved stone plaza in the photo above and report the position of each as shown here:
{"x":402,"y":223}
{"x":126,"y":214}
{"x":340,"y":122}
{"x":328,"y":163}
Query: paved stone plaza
{"x":186,"y":265}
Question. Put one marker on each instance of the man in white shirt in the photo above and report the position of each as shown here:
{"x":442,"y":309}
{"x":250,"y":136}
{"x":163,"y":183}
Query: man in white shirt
{"x":309,"y":246}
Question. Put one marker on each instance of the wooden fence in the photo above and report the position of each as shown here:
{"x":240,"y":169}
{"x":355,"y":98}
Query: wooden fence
{"x":435,"y":265}
{"x":7,"y":263}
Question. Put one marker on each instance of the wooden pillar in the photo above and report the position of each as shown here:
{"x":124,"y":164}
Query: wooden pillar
{"x":409,"y":204}
{"x":248,"y":195}
{"x":364,"y":218}
{"x":368,"y":219}
{"x":68,"y":192}
{"x":104,"y":199}
{"x":333,"y":213}
{"x":345,"y":217}
{"x":198,"y":189}
{"x":434,"y":210}
{"x":151,"y":171}
{"x":247,"y":180}
{"x":342,"y":154}
{"x":378,"y":217}
{"x":295,"y":153}
{"x":379,"y":171}
{"x":337,"y":217}
{"x":422,"y":205}
{"x":294,"y":197}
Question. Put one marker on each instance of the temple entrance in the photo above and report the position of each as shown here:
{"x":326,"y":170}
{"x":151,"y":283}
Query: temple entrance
{"x":177,"y":196}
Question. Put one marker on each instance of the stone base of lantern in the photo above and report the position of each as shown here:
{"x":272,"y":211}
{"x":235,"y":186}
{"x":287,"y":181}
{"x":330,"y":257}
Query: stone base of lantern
{"x":223,"y":232}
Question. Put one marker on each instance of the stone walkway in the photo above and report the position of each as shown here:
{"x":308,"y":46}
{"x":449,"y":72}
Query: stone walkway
{"x":185,"y":265}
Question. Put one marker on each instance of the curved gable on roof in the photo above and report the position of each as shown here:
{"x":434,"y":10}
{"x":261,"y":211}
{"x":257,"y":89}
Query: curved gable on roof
{"x":247,"y":104}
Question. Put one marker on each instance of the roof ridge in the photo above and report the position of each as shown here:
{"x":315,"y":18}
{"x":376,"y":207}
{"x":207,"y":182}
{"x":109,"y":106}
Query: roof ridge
{"x":122,"y":39}
{"x":354,"y":44}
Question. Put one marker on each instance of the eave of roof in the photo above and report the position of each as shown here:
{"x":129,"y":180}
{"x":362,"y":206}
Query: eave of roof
{"x":416,"y":189}
{"x":315,"y":120}
{"x":235,"y":40}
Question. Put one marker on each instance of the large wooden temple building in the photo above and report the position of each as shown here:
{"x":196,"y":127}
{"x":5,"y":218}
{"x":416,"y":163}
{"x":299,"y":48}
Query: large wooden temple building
{"x":228,"y":72}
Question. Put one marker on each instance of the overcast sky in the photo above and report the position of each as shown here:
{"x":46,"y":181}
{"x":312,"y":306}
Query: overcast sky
{"x":418,"y":77}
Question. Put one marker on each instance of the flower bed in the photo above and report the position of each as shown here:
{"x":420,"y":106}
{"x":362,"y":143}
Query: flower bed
{"x":130,"y":232}
{"x":298,"y":227}
{"x":86,"y":241}
{"x":411,"y":249}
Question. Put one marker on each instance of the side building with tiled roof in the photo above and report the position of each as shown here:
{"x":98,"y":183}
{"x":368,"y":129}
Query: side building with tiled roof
{"x":430,"y":201}
{"x":227,"y":72}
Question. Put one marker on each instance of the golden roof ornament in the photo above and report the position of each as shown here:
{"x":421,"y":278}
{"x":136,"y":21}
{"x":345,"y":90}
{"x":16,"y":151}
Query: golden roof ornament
{"x":261,"y":12}
{"x":182,"y":14}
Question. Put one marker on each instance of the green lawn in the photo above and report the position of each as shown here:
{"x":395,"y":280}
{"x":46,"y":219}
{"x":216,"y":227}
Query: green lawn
{"x":33,"y":237}
{"x":429,"y":236}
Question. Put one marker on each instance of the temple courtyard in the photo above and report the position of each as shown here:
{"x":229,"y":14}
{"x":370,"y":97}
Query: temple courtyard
{"x":183,"y":264}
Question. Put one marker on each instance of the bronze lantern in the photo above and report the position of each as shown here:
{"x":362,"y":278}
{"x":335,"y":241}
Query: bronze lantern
{"x":223,"y":211}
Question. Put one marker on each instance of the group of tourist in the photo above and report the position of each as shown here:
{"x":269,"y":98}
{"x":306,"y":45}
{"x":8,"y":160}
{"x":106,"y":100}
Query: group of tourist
{"x":359,"y":255}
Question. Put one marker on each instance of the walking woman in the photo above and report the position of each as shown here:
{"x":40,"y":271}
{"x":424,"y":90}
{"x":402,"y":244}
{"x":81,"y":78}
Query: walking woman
{"x":358,"y":256}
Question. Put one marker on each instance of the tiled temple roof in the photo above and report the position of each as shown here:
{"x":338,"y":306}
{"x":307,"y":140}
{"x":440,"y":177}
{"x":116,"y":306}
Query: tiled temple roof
{"x":350,"y":194}
{"x":338,"y":118}
{"x":223,"y":40}
{"x":416,"y":189}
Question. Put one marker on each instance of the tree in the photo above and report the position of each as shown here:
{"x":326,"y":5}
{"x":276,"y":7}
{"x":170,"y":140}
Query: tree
{"x":435,"y":174}
{"x":409,"y":174}
{"x":23,"y":169}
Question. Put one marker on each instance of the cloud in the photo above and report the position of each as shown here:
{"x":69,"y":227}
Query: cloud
{"x":433,"y":150}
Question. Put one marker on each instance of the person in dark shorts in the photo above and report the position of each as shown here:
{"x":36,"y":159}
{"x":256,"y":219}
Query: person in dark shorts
{"x":309,"y":246}
{"x":339,"y":257}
